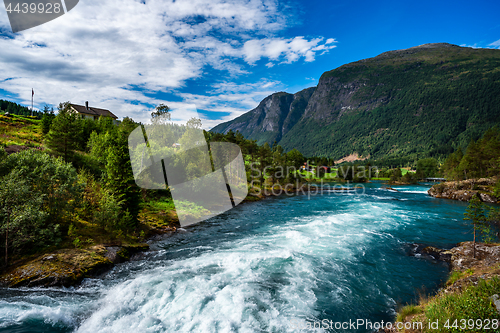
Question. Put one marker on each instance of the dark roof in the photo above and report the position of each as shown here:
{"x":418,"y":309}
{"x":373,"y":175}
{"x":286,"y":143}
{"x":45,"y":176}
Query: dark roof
{"x":93,"y":111}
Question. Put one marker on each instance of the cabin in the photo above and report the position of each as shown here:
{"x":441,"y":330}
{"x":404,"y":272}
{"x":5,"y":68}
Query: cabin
{"x":306,"y":167}
{"x":327,"y":169}
{"x":176,"y":145}
{"x":88,"y":112}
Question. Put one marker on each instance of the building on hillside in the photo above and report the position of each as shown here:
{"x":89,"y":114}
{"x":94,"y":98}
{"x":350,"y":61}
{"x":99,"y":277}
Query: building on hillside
{"x":327,"y":169}
{"x":85,"y":111}
{"x":306,"y":167}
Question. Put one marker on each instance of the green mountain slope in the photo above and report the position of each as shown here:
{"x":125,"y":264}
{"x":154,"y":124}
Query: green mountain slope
{"x":422,"y":101}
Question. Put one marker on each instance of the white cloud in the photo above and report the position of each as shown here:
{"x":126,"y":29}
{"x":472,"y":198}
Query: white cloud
{"x":474,"y":46}
{"x":102,"y":51}
{"x":495,"y":44}
{"x":290,"y":49}
{"x":225,"y":95}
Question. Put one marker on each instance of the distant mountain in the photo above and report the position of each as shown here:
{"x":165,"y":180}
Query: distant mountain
{"x":272,"y":119}
{"x":422,"y":101}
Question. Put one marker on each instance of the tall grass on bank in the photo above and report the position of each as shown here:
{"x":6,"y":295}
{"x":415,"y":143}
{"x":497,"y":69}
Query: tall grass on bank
{"x":464,"y":311}
{"x":473,"y":303}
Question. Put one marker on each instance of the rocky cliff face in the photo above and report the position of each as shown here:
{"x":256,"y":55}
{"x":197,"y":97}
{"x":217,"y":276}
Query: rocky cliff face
{"x":272,"y":119}
{"x":334,"y":98}
{"x":409,"y":102}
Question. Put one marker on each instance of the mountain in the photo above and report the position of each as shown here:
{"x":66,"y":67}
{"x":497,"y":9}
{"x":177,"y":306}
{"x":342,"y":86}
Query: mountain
{"x":422,"y":101}
{"x":272,"y":119}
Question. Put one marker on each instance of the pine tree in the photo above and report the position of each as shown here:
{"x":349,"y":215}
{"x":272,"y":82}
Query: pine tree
{"x":48,"y":116}
{"x":264,"y":156}
{"x":451,"y":164}
{"x":120,"y":179}
{"x":475,"y":212}
{"x":64,"y":132}
{"x":295,"y":159}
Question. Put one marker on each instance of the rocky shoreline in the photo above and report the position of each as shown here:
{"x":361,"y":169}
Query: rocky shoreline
{"x":461,"y":257}
{"x":68,"y":267}
{"x":465,"y":271}
{"x":464,"y":190}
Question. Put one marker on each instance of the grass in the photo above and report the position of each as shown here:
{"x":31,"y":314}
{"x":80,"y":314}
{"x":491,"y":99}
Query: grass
{"x":20,"y":130}
{"x":185,"y":208}
{"x":473,"y":303}
{"x":453,"y":310}
{"x":408,"y":310}
{"x":404,"y":171}
{"x":82,"y":234}
{"x":162,"y":205}
{"x":158,"y":213}
{"x":312,"y":175}
{"x":162,"y":212}
{"x":457,"y":275}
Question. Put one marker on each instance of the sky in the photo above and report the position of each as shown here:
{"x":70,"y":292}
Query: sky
{"x":219,"y":57}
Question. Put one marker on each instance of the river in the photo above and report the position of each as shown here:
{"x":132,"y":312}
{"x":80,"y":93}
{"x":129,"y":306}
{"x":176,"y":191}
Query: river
{"x":275,"y":265}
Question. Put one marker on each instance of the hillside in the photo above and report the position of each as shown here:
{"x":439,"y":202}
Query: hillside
{"x":412,"y":103}
{"x":20,"y":130}
{"x":272,"y":119}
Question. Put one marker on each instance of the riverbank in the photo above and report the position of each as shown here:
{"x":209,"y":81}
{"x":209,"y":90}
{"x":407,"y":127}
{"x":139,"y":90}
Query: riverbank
{"x":470,"y":293}
{"x":464,"y":190}
{"x":68,"y":267}
{"x":65,"y":267}
{"x":328,"y":253}
{"x":93,"y":251}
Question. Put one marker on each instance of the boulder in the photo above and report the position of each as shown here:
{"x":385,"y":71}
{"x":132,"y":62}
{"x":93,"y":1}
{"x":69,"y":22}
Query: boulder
{"x":464,"y":190}
{"x":68,"y":267}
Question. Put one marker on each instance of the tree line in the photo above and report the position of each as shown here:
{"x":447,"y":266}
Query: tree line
{"x":480,"y":159}
{"x":14,"y":108}
{"x":85,"y":176}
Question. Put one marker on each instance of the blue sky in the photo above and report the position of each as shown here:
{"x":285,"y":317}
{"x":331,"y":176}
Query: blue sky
{"x":220,"y":57}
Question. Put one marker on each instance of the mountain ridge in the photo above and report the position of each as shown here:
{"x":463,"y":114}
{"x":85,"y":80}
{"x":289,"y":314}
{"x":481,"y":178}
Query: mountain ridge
{"x":275,"y":115}
{"x":426,"y":100}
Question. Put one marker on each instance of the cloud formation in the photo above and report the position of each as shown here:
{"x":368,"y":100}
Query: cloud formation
{"x":290,"y":49}
{"x":119,"y":54}
{"x":495,"y":44}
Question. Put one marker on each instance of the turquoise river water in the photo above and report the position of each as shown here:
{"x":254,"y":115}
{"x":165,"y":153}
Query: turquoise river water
{"x":277,"y":265}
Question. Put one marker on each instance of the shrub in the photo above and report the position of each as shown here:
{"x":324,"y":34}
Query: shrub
{"x":102,"y":207}
{"x":36,"y":193}
{"x":22,"y":219}
{"x":496,"y":189}
{"x":439,"y":188}
{"x":49,"y":177}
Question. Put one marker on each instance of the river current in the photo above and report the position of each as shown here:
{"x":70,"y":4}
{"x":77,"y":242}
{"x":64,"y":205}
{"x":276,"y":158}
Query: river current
{"x":278,"y":265}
